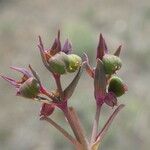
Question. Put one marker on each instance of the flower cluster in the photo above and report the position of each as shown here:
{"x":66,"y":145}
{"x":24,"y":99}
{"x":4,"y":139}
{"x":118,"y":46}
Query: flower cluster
{"x":107,"y":85}
{"x":59,"y":60}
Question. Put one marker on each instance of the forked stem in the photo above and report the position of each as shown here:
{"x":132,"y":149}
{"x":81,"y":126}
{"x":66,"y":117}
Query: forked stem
{"x":108,"y":123}
{"x":59,"y":128}
{"x":75,"y":125}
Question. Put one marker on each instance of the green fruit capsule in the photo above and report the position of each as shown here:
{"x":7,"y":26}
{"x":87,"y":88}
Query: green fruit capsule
{"x":74,"y":63}
{"x":117,"y":86}
{"x":58,"y":63}
{"x":111,"y":63}
{"x":30,"y":88}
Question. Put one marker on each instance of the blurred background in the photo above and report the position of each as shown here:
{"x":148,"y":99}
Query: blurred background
{"x":123,"y":22}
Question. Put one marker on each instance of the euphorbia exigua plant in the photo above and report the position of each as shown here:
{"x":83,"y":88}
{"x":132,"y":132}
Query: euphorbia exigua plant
{"x":59,"y":60}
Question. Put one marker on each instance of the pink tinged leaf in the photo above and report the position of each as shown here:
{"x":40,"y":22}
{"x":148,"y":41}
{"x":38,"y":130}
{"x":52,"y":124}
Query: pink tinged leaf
{"x":85,"y":58}
{"x":70,"y":89}
{"x":35,"y":75}
{"x":42,"y":52}
{"x":106,"y":49}
{"x":102,"y":48}
{"x":56,"y":47}
{"x":100,"y":82}
{"x":118,"y":51}
{"x":67,"y":48}
{"x":23,"y":71}
{"x":47,"y":109}
{"x":41,"y":43}
{"x":110,"y":99}
{"x":11,"y":81}
{"x":43,"y":56}
{"x":87,"y":66}
{"x":59,"y":43}
{"x":58,"y":34}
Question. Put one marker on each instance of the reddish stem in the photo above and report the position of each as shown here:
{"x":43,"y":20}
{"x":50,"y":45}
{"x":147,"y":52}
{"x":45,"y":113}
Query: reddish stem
{"x":58,"y":83}
{"x":59,"y":128}
{"x":45,"y":92}
{"x":96,"y":123}
{"x":76,"y":127}
{"x":108,"y":123}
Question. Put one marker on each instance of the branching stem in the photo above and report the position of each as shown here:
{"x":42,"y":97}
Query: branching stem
{"x":75,"y":125}
{"x":59,"y":128}
{"x":109,"y":122}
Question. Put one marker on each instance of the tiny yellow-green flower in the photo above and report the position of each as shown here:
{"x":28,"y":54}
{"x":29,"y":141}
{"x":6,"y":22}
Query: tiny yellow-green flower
{"x":74,"y":63}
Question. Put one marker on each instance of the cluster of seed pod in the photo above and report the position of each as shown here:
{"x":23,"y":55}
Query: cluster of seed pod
{"x":59,"y":61}
{"x":62,"y":63}
{"x":29,"y":89}
{"x":112,"y":64}
{"x":28,"y":86}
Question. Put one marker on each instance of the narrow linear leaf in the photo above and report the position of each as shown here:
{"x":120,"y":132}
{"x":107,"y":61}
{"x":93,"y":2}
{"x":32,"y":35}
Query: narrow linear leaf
{"x":87,"y":66}
{"x":101,"y":48}
{"x":42,"y":51}
{"x":102,"y":133}
{"x":67,"y":48}
{"x":22,"y":70}
{"x":70,"y":89}
{"x":99,"y":80}
{"x":35,"y":74}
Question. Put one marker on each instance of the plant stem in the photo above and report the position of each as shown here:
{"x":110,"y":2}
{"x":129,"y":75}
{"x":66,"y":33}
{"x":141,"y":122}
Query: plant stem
{"x":58,"y":127}
{"x":96,"y":123}
{"x":45,"y":92}
{"x":109,"y":122}
{"x":76,"y":127}
{"x":58,"y":83}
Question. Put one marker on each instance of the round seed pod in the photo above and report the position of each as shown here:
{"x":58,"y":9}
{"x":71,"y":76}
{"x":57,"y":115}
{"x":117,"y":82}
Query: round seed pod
{"x":58,"y":63}
{"x":30,"y":88}
{"x":111,"y":63}
{"x":117,"y":86}
{"x":74,"y":63}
